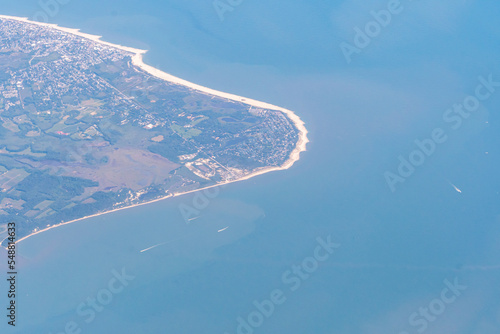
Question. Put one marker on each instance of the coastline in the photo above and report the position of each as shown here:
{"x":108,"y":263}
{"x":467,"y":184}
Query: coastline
{"x":137,"y":60}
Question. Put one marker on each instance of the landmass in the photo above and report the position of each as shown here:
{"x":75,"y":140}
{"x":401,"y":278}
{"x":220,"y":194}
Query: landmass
{"x":88,"y":128}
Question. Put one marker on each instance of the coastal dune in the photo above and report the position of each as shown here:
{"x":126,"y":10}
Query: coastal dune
{"x":137,"y":60}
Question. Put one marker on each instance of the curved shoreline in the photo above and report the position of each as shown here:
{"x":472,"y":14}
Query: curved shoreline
{"x":137,"y":60}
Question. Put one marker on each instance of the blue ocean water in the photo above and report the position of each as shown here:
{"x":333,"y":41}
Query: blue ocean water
{"x":395,"y":252}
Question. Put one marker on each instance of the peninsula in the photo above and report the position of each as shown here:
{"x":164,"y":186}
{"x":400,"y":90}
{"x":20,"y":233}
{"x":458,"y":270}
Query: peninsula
{"x":88,"y":128}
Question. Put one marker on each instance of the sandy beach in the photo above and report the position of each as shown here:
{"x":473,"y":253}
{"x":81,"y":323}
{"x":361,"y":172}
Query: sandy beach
{"x":137,"y":59}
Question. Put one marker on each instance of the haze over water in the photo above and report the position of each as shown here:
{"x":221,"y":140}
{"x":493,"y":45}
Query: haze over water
{"x":397,"y":248}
